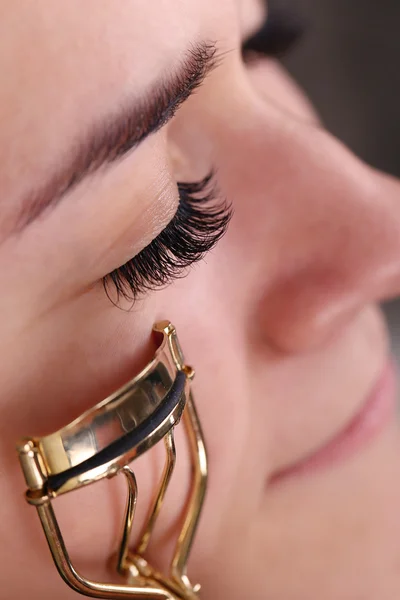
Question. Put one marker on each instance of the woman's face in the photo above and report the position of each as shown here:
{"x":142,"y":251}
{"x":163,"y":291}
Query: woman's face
{"x":279,"y":320}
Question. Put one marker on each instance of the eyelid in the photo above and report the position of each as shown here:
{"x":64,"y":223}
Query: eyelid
{"x":129,"y":238}
{"x":114,"y":217}
{"x":197,"y":226}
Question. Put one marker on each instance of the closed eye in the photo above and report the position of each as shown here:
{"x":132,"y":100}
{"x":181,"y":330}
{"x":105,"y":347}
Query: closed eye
{"x":199,"y":222}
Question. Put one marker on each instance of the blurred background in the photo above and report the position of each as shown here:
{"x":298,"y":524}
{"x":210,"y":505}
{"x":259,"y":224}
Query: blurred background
{"x":349,"y":63}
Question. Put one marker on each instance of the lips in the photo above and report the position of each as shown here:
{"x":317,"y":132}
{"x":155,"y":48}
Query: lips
{"x":377,"y":411}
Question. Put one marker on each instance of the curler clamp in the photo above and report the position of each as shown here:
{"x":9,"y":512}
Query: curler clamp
{"x":102,"y":443}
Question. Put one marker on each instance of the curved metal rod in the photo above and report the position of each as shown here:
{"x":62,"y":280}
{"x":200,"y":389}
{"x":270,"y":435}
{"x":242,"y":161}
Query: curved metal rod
{"x":76,"y":581}
{"x":159,"y":498}
{"x":198,"y":455}
{"x":128,"y":520}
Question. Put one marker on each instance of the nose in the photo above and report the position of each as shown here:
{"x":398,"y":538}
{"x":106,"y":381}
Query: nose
{"x":320,"y":230}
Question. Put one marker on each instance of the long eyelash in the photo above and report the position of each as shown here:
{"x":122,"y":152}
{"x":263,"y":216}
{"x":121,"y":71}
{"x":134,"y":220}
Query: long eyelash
{"x":200,"y":221}
{"x":280,"y":32}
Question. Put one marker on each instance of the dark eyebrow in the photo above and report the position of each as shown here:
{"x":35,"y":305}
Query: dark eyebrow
{"x":118,"y":134}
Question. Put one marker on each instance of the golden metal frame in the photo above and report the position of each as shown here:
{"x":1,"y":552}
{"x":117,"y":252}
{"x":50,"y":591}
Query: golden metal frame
{"x":66,"y":460}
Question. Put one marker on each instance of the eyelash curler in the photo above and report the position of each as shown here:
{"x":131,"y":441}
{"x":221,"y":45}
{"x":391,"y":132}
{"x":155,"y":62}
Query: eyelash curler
{"x":103,"y":442}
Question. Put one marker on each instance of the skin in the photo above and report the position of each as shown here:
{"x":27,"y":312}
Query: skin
{"x":280,"y":321}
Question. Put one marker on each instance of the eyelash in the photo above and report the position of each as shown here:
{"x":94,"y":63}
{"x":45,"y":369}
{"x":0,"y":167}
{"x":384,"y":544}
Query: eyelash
{"x":279,"y":33}
{"x":199,"y":222}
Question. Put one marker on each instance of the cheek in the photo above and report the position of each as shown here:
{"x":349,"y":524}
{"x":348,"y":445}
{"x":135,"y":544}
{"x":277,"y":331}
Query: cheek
{"x":213,"y":337}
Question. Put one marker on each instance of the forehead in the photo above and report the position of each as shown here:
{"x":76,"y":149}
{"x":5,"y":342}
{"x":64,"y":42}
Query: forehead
{"x":64,"y":63}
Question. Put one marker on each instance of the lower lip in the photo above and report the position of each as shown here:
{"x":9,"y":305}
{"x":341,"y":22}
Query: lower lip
{"x":378,"y":410}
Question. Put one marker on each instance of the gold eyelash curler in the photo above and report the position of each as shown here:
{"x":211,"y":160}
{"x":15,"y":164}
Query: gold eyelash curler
{"x":102,"y":443}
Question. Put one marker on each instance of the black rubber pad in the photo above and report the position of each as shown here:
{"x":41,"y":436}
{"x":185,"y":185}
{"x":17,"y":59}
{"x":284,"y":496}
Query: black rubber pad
{"x":126,"y":442}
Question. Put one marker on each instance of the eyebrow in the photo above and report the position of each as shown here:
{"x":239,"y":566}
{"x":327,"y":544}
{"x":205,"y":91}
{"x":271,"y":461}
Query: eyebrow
{"x":118,"y":134}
